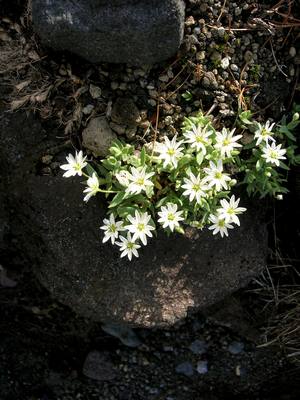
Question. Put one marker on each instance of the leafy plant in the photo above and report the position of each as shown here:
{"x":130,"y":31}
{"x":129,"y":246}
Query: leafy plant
{"x":187,"y":180}
{"x":187,"y":95}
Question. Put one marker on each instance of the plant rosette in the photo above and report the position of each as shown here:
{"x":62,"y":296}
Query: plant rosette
{"x":187,"y":180}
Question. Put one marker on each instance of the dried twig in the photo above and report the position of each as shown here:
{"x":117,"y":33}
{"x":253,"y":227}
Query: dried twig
{"x":276,"y":62}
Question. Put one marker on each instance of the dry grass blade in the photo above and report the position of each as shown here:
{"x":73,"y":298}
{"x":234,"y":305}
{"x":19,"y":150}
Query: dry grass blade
{"x":283,"y":302}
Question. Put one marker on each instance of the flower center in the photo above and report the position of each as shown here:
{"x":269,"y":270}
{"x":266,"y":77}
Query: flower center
{"x":140,"y":181}
{"x":230,"y":211}
{"x":171,"y":217}
{"x":273,"y":154}
{"x":196,"y":187}
{"x":113,"y":228}
{"x":221,"y":223}
{"x":218,"y":175}
{"x":130,"y":245}
{"x":226,"y":142}
{"x":199,"y":139}
{"x":141,"y":227}
{"x":77,"y":167}
{"x":171,"y":152}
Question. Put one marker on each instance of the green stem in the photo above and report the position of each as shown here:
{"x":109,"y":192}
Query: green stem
{"x":107,"y":191}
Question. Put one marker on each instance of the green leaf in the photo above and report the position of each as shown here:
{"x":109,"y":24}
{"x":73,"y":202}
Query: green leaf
{"x":134,"y":161}
{"x":287,"y":133}
{"x":149,"y":191}
{"x":284,"y":166}
{"x":90,"y":170}
{"x":245,"y":117}
{"x":186,"y":159}
{"x":179,"y":229}
{"x":101,"y":170}
{"x":199,"y":158}
{"x":143,"y":156}
{"x":124,"y":211}
{"x":188,"y":96}
{"x":118,"y":198}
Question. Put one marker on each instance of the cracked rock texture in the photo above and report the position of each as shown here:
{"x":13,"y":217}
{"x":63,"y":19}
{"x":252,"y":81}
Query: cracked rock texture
{"x":117,"y":31}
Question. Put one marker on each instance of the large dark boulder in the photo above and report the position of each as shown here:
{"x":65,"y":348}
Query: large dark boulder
{"x":117,"y":31}
{"x":172,"y":275}
{"x":60,"y":235}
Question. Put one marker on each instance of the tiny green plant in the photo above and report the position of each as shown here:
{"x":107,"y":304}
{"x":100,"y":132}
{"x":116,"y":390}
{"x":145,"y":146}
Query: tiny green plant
{"x":187,"y":95}
{"x":187,"y":180}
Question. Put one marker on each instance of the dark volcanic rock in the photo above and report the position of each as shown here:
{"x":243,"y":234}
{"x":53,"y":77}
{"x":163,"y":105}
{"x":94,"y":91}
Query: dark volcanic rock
{"x":171,"y":276}
{"x":118,"y":31}
{"x":61,"y":237}
{"x":98,"y":366}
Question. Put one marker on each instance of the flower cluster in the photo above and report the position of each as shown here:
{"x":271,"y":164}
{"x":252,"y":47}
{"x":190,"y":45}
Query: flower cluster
{"x":261,"y":174}
{"x":182,"y":181}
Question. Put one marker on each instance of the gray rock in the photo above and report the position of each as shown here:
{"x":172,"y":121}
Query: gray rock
{"x":292,"y":51}
{"x":124,"y":333}
{"x":209,"y":81}
{"x":5,"y":281}
{"x":172,"y":276}
{"x":117,"y":31}
{"x":98,"y":366}
{"x":185,"y":368}
{"x":198,"y":347}
{"x":95,"y":91}
{"x":119,"y":129}
{"x":236,"y":347}
{"x":98,"y":136}
{"x":202,"y":367}
{"x":60,"y":236}
{"x":125,"y":112}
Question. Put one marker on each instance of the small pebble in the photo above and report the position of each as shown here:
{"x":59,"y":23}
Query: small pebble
{"x":292,"y":51}
{"x":236,"y":347}
{"x":225,"y":62}
{"x":234,"y":67}
{"x":88,"y":109}
{"x":47,"y":159}
{"x":95,"y":91}
{"x":198,"y":347}
{"x":202,"y":367}
{"x":185,"y":368}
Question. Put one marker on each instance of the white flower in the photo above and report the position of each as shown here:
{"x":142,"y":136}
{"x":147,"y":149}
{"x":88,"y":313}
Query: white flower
{"x":273,"y":153}
{"x":139,"y":180}
{"x":93,"y":187}
{"x":194,"y":187}
{"x":75,"y":165}
{"x":230,"y":210}
{"x":263,"y":133}
{"x":215,"y":176}
{"x":123,"y":177}
{"x":128,"y":247}
{"x":226,"y":142}
{"x":219,"y":225}
{"x":170,"y":151}
{"x":111,"y":229}
{"x":198,"y":137}
{"x":140,"y":226}
{"x":169,"y":216}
